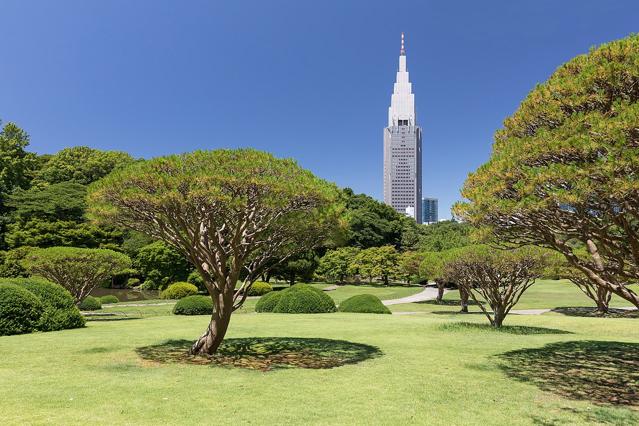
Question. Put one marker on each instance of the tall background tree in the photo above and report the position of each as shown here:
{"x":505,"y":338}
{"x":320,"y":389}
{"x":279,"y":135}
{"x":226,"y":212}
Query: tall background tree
{"x":16,"y":168}
{"x":563,"y":171}
{"x":230,"y":212}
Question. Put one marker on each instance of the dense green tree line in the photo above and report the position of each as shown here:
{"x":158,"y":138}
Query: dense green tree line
{"x":43,"y":204}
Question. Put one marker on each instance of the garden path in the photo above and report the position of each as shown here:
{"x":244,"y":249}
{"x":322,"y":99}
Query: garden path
{"x":429,"y":293}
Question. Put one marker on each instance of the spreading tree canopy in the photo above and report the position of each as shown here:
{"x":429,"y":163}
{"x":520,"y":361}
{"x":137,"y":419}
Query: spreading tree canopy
{"x":79,"y":270}
{"x":230,"y":212}
{"x":564,"y":171}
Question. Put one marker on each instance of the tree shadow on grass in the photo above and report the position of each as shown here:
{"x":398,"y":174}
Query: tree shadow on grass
{"x":508,"y":329}
{"x":266,"y":353}
{"x":598,"y":371}
{"x":592,"y":312}
{"x":445,"y":302}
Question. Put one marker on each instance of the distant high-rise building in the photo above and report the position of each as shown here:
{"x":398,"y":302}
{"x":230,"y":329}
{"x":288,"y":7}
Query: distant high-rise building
{"x":403,"y":148}
{"x":430,"y":207}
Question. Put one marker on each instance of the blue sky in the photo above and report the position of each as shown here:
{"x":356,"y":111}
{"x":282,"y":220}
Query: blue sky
{"x":304,"y":79}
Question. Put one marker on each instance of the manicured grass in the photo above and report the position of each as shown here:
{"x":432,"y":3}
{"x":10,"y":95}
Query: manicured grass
{"x":433,"y":369}
{"x":543,"y":294}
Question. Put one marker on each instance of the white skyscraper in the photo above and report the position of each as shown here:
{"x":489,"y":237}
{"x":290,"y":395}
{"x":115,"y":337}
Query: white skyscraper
{"x":403,"y":148}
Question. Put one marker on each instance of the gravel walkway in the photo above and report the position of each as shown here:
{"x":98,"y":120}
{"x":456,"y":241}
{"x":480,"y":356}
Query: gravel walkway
{"x":429,"y":293}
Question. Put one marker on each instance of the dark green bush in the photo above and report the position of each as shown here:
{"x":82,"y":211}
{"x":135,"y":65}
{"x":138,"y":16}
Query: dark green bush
{"x":178,"y":291}
{"x":260,"y":288}
{"x":194,"y":305}
{"x":59,"y":310}
{"x":268,"y":301}
{"x":365,"y":304}
{"x":196,"y":279}
{"x":90,"y":303}
{"x":304,"y":299}
{"x":109,"y":298}
{"x":20,"y":310}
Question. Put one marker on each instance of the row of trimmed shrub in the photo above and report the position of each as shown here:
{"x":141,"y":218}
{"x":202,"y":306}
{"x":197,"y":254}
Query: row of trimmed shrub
{"x":306,"y":299}
{"x":31,"y":304}
{"x":297,"y":299}
{"x":192,"y":304}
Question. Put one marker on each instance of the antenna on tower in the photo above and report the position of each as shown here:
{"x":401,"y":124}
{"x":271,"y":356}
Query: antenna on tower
{"x":402,"y":51}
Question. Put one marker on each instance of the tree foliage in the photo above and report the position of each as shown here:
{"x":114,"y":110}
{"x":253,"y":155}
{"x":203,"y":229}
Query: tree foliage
{"x":16,"y":166}
{"x":563,"y":171}
{"x":229,"y":212}
{"x":79,"y":270}
{"x":80,"y":164}
{"x":335,"y":265}
{"x":444,"y":235}
{"x":376,"y":262}
{"x":161,"y":265}
{"x":370,"y":223}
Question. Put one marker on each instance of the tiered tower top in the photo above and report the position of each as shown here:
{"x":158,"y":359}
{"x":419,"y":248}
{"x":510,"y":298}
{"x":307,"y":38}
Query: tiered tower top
{"x":402,"y":109}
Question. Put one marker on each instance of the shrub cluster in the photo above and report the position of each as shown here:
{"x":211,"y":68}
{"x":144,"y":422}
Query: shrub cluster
{"x":194,"y":305}
{"x":179,"y":290}
{"x":298,"y":299}
{"x":58,"y":310}
{"x":20,"y":310}
{"x":365,"y":304}
{"x":90,"y":303}
{"x":260,"y":288}
{"x":109,"y":298}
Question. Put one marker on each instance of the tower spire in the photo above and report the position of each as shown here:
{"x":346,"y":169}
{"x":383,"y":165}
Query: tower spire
{"x":402,"y":51}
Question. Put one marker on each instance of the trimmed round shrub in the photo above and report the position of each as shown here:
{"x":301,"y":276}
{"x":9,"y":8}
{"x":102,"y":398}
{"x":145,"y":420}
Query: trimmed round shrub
{"x":90,"y":303}
{"x":109,"y":298}
{"x":268,"y":301}
{"x":178,"y":291}
{"x":364,"y":304}
{"x":260,"y":288}
{"x":20,"y":310}
{"x":194,"y":305}
{"x":60,"y":319}
{"x":304,"y":299}
{"x":59,"y":310}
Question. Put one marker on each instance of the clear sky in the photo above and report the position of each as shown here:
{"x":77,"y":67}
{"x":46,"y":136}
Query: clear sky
{"x":304,"y":79}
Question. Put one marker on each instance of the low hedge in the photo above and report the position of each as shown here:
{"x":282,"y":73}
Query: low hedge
{"x":90,"y":303}
{"x":268,"y":301}
{"x":109,"y":298}
{"x":260,"y":288}
{"x":365,"y":304}
{"x":194,"y":305}
{"x":299,"y":299}
{"x":59,"y":310}
{"x":20,"y":310}
{"x":179,"y":290}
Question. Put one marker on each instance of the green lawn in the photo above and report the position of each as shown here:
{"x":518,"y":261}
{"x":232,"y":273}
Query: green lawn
{"x":436,"y":367}
{"x":428,"y":373}
{"x":543,"y":294}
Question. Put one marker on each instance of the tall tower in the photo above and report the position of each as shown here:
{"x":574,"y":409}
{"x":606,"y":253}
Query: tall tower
{"x":403,"y":148}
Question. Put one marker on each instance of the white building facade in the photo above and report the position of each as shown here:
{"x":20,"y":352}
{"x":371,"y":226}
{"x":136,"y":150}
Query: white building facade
{"x":403,"y":148}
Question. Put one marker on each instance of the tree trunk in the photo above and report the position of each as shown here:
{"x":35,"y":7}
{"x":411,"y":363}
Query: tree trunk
{"x":210,"y":341}
{"x":603,"y":298}
{"x":498,"y":317}
{"x":440,"y":290}
{"x":463,"y":299}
